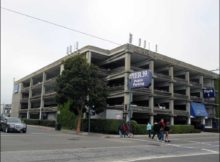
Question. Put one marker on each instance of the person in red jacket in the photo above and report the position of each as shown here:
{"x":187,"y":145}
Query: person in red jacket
{"x":162,"y":126}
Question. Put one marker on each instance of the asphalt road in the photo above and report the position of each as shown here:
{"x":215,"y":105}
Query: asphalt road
{"x":42,"y":144}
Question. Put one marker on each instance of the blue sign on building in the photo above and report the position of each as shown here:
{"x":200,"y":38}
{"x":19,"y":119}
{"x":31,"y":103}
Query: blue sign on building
{"x":208,"y":93}
{"x":140,"y":79}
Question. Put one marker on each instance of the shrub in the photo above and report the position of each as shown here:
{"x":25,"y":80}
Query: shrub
{"x":101,"y":125}
{"x":66,"y":118}
{"x":183,"y":129}
{"x":32,"y":121}
{"x":48,"y":123}
{"x":216,"y":130}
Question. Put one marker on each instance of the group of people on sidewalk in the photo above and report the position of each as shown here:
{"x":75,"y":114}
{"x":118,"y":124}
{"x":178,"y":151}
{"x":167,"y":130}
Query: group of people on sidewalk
{"x":160,"y":129}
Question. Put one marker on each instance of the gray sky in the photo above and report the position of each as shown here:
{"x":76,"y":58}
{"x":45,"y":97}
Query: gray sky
{"x":187,"y":30}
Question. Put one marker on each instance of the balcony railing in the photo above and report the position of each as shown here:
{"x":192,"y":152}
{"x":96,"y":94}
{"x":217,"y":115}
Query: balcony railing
{"x":116,"y":88}
{"x":37,"y":86}
{"x":34,"y":109}
{"x":116,"y":70}
{"x":180,"y":113}
{"x":195,"y":98}
{"x":180,"y":96}
{"x":23,"y":110}
{"x":36,"y":97}
{"x":49,"y":109}
{"x":162,"y":92}
{"x":24,"y":100}
{"x":140,"y":109}
{"x":196,"y":84}
{"x":180,"y":80}
{"x":162,"y":111}
{"x":49,"y":94}
{"x":51,"y":80}
{"x":162,"y":76}
{"x":25,"y":89}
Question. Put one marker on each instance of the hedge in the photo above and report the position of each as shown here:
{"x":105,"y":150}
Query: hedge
{"x":48,"y":123}
{"x":216,"y":130}
{"x":183,"y":129}
{"x":109,"y":126}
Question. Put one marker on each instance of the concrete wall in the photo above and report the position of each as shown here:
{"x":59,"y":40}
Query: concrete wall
{"x":114,"y":114}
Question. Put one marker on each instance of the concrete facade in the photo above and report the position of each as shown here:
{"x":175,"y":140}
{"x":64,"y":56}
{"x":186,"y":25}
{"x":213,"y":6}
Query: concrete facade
{"x":174,"y":85}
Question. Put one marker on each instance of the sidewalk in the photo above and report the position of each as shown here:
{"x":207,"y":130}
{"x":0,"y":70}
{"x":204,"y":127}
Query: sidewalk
{"x":66,"y":131}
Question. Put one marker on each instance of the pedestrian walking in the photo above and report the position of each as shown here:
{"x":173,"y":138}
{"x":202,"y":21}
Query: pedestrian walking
{"x":166,"y":131}
{"x":156,"y":130}
{"x":161,"y":125}
{"x":130,"y":130}
{"x":120,"y":130}
{"x":149,"y":129}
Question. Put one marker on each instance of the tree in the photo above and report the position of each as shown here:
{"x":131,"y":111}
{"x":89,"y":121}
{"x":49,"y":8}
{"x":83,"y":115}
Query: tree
{"x":81,"y":84}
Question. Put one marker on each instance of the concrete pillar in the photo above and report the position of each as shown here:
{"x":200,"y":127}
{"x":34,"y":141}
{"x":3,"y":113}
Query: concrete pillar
{"x":171,"y":107}
{"x":42,"y":95}
{"x":61,"y":68}
{"x":29,"y":98}
{"x":151,"y":65}
{"x":189,"y":114}
{"x":201,"y":81}
{"x":171,"y":72}
{"x":203,"y":121}
{"x":152,"y":119}
{"x":151,"y":98}
{"x":171,"y":86}
{"x":88,"y":57}
{"x":151,"y":104}
{"x":172,"y":120}
{"x":127,"y":72}
{"x":187,"y":78}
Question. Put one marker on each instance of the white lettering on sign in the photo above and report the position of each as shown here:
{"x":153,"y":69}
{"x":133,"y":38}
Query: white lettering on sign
{"x":137,"y":75}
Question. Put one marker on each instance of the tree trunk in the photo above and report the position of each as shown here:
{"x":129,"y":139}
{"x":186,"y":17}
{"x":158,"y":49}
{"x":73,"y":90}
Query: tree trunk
{"x":78,"y":125}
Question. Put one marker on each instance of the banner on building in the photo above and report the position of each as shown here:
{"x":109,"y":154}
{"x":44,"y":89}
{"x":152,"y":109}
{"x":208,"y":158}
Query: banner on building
{"x":208,"y":93}
{"x":140,"y":79}
{"x":16,"y":88}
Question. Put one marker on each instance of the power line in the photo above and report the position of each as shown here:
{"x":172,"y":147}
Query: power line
{"x":58,"y":25}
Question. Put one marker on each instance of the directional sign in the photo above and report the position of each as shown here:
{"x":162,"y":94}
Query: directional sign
{"x":140,"y":79}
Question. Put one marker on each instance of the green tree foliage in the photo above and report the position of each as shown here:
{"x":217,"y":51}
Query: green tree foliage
{"x":78,"y":81}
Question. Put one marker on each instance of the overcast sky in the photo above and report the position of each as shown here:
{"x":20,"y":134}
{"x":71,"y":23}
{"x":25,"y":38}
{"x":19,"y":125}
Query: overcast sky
{"x":187,"y":30}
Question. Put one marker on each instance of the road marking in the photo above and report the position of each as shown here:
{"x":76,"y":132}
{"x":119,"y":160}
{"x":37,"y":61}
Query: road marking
{"x":211,"y":151}
{"x":164,"y":156}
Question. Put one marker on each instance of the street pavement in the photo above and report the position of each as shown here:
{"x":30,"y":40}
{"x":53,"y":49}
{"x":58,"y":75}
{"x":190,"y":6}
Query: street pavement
{"x":43,"y":144}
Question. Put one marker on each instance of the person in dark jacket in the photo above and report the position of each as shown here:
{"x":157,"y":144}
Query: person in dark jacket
{"x":161,"y":125}
{"x":156,"y":130}
{"x":166,"y":131}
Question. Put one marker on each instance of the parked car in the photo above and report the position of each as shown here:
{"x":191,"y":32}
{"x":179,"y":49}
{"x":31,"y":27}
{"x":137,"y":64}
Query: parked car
{"x":2,"y":119}
{"x":13,"y":124}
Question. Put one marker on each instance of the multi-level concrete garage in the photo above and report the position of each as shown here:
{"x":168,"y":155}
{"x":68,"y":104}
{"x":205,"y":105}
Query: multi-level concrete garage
{"x":175,"y":86}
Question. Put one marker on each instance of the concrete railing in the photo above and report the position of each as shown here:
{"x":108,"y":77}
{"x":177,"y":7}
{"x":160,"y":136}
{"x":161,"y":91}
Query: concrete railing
{"x":182,"y":96}
{"x":180,"y":113}
{"x":49,"y":109}
{"x":162,"y":111}
{"x":162,"y":76}
{"x":25,"y":89}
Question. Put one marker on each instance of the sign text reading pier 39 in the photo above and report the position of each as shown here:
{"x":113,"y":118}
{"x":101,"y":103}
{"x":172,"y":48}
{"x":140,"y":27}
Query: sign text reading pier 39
{"x":140,"y":79}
